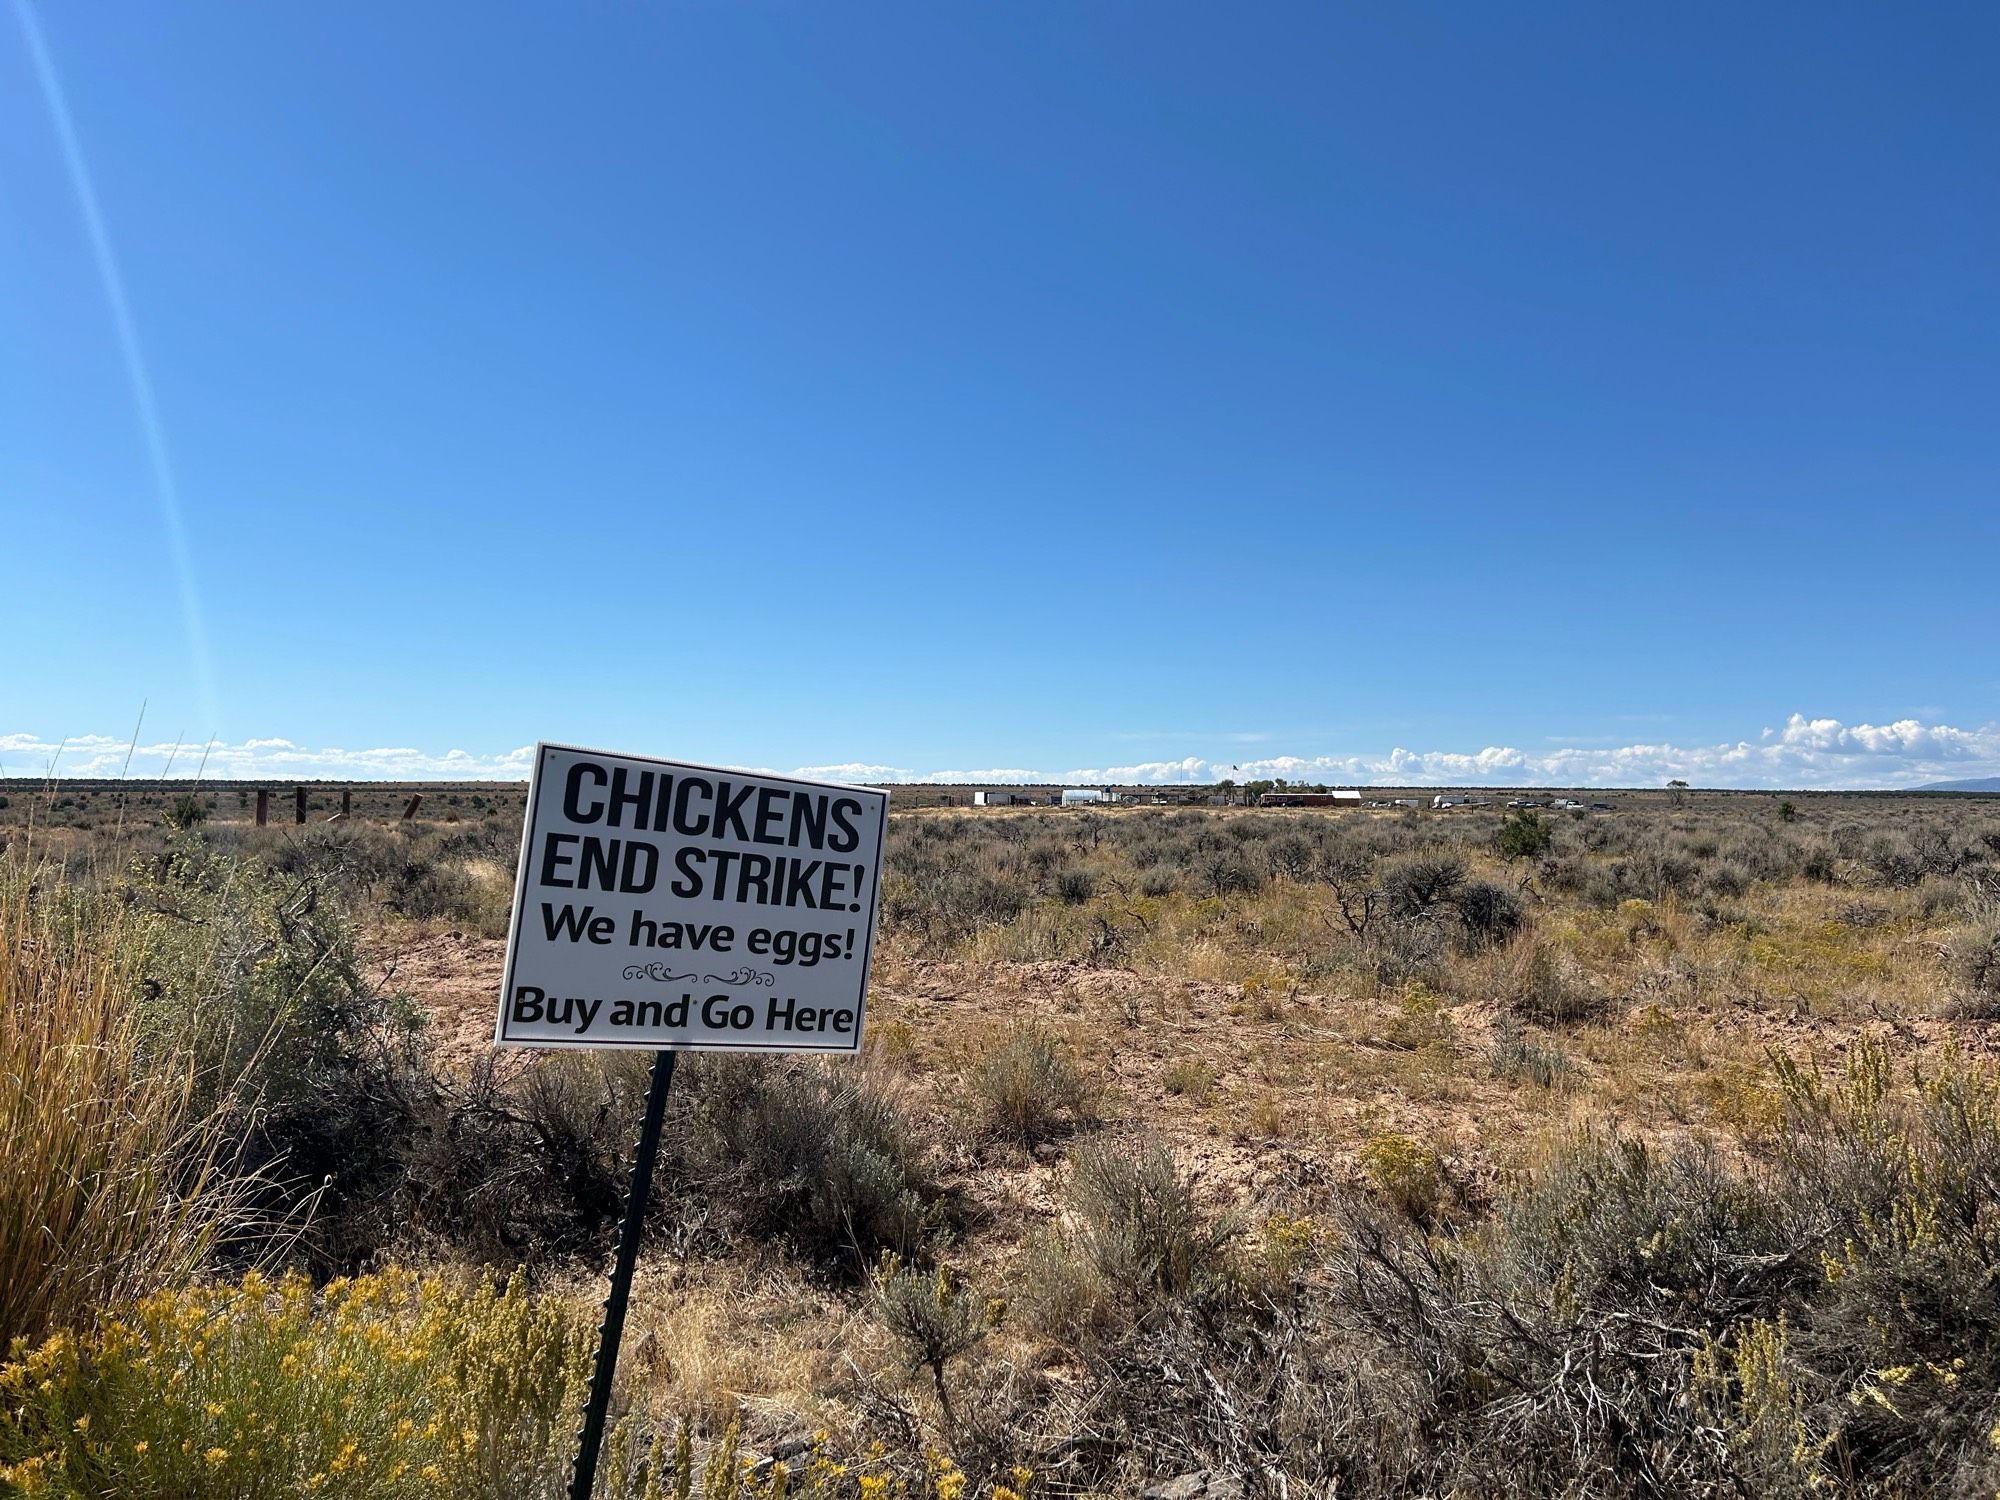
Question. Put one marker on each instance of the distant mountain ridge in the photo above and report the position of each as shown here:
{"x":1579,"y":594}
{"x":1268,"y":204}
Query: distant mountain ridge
{"x":1976,"y":784}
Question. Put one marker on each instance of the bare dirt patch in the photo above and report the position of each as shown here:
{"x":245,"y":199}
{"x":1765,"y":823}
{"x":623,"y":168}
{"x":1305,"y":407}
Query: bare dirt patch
{"x":453,"y":976}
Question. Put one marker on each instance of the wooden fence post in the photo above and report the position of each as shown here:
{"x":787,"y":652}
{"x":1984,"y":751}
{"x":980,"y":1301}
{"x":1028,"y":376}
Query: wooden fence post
{"x":263,"y":806}
{"x":416,"y":801}
{"x":299,"y":805}
{"x":346,"y":801}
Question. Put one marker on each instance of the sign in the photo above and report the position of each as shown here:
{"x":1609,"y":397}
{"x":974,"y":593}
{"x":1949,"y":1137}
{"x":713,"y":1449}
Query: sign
{"x":663,"y":905}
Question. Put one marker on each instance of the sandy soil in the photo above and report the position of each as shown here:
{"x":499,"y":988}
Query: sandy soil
{"x":1299,"y":1080}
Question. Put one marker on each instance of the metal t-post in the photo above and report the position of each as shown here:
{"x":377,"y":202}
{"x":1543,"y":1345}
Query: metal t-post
{"x":591,"y":1437}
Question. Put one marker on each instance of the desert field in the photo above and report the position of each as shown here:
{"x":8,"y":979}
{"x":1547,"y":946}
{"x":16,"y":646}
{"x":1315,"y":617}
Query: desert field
{"x":1648,"y":1150}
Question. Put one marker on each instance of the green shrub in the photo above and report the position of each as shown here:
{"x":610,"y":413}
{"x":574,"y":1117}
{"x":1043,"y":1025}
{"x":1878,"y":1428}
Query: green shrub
{"x":1975,"y":956}
{"x":1492,"y":914}
{"x":1822,"y":1322}
{"x":933,"y":1317}
{"x":1061,"y":1294}
{"x":817,"y":1153}
{"x":1138,"y":1224}
{"x":1517,"y":1057}
{"x":1074,"y":886}
{"x":421,"y":889}
{"x":250,"y":971}
{"x":1189,"y":1078}
{"x":1524,"y":834}
{"x":1416,"y":884}
{"x":509,"y":1170}
{"x":1748,"y":1385}
{"x":1592,"y":1286}
{"x":1424,"y":1022}
{"x":1134,"y":1253}
{"x":1407,"y":1174}
{"x":1029,"y":1088}
{"x":186,"y":811}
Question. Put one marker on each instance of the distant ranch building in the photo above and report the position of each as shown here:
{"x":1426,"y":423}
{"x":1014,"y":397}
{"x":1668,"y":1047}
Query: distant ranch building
{"x":1345,"y":797}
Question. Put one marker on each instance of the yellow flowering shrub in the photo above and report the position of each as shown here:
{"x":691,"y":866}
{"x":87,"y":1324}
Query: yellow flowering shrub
{"x":1406,"y":1172}
{"x":389,"y":1386}
{"x":1288,"y":1243}
{"x":385,"y":1387}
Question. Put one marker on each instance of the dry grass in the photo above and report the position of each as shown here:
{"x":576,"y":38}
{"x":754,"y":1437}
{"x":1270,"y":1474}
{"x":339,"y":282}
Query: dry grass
{"x":1294,"y":1030}
{"x":109,"y":1185}
{"x":750,"y":1340}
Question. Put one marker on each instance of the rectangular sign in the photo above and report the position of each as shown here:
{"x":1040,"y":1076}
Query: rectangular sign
{"x":667,"y":905}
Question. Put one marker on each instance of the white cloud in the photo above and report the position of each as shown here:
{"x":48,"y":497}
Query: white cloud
{"x":99,"y":755}
{"x":1804,"y":753}
{"x":852,"y":771}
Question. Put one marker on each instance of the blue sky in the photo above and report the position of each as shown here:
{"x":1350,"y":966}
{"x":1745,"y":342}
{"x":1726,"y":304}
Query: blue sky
{"x":1549,"y":392}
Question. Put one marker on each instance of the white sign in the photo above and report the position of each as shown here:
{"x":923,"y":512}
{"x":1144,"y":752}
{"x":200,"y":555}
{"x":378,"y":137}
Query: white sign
{"x":668,"y":905}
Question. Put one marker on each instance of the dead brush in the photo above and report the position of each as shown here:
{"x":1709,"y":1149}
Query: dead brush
{"x":1541,"y":984}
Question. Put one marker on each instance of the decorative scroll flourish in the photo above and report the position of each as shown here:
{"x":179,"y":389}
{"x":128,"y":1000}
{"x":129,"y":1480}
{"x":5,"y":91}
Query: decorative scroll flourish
{"x":661,"y":974}
{"x":658,"y":973}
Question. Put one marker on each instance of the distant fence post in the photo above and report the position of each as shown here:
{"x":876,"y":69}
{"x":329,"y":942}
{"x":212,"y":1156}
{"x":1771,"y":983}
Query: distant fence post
{"x":299,"y":805}
{"x":346,"y":801}
{"x":263,"y":806}
{"x":410,"y":811}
